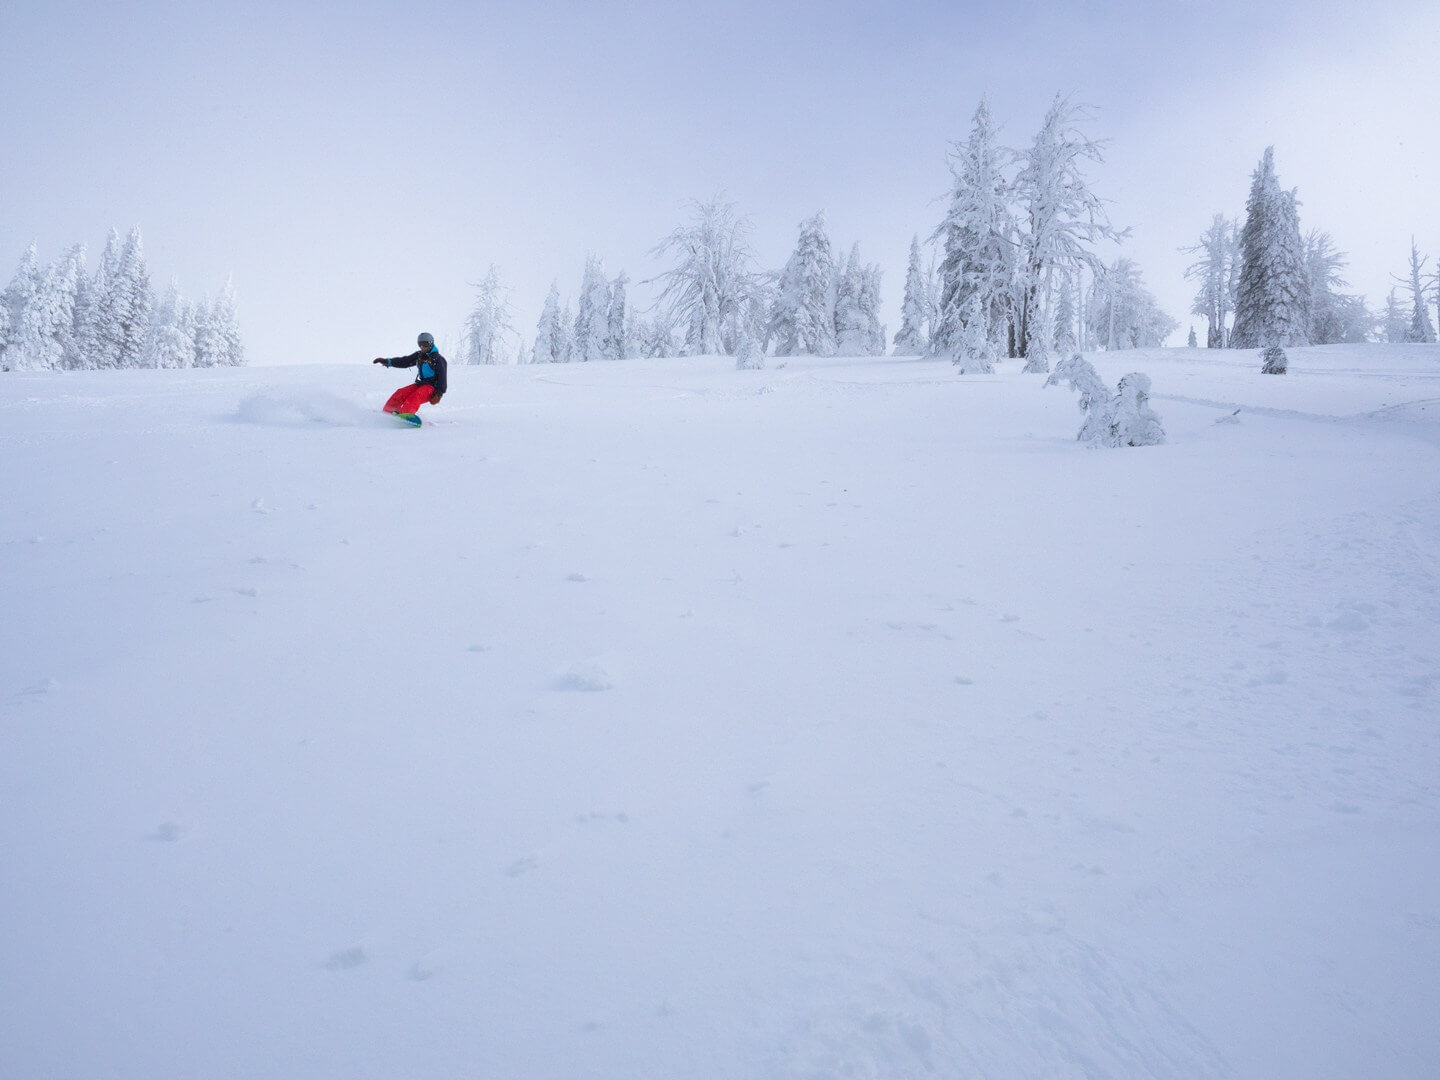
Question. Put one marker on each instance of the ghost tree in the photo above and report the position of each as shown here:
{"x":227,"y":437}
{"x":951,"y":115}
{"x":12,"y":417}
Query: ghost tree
{"x":487,"y":324}
{"x":1063,"y":220}
{"x":1126,"y":312}
{"x":548,"y":336}
{"x":1421,"y":329}
{"x":617,"y":336}
{"x":910,"y":338}
{"x":1214,"y":270}
{"x":974,"y":294}
{"x":1272,"y":301}
{"x":712,"y":286}
{"x":802,"y":318}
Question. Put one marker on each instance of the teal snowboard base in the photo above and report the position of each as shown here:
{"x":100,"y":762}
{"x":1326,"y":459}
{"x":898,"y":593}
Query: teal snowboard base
{"x":408,"y":417}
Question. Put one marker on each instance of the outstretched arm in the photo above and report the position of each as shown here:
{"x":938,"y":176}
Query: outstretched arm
{"x":399,"y":361}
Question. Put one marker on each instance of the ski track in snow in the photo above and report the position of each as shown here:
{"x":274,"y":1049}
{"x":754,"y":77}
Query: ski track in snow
{"x":844,"y":719}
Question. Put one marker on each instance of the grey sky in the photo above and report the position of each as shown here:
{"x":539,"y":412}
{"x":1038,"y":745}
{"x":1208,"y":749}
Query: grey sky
{"x":354,"y":165}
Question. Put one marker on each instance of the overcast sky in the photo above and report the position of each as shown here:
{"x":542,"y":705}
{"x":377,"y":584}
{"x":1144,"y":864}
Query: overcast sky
{"x":354,"y":165}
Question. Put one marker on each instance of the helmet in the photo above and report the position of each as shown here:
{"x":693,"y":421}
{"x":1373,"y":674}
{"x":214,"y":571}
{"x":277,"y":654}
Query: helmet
{"x":426,"y":338}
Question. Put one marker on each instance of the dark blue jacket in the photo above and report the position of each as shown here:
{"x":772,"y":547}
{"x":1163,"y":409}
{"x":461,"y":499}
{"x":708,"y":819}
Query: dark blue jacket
{"x":432,"y":367}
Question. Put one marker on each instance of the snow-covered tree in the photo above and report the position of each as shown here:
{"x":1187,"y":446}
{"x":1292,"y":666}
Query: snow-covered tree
{"x":1122,"y":419}
{"x":1421,"y":329}
{"x":910,"y":338}
{"x":565,"y":339}
{"x":974,"y":293}
{"x":21,"y":295}
{"x":857,"y":309}
{"x":1192,"y":341}
{"x":230,"y":349}
{"x":616,"y":340}
{"x":4,"y":333}
{"x":1334,"y":316}
{"x":1124,"y":313}
{"x":748,"y":354}
{"x":45,"y":337}
{"x":712,"y":286}
{"x":546,"y":349}
{"x":1395,"y":323}
{"x":1064,"y":219}
{"x":70,"y":287}
{"x":802,"y":319}
{"x":592,"y":322}
{"x":171,"y":344}
{"x":1067,"y":338}
{"x":1272,"y":300}
{"x":209,"y":347}
{"x":1274,"y":361}
{"x":126,"y":306}
{"x":1215,"y":271}
{"x":634,"y":334}
{"x":487,"y":324}
{"x":97,"y":325}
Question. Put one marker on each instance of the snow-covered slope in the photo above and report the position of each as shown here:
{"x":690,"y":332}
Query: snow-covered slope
{"x":658,"y":720}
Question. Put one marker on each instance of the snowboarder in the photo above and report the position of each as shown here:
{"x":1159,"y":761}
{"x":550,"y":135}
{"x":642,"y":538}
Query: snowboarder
{"x":429,"y":384}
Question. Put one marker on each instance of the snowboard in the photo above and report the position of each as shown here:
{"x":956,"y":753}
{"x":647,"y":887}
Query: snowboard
{"x":408,"y":417}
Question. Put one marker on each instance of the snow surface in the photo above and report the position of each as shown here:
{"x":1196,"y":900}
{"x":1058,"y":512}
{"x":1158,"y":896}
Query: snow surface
{"x":654,"y":719}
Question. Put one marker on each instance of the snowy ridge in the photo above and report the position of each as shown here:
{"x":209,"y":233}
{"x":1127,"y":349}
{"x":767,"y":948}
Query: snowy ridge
{"x":655,"y":719}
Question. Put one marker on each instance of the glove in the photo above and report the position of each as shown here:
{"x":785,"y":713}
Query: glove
{"x":378,"y":360}
{"x":435,"y":398}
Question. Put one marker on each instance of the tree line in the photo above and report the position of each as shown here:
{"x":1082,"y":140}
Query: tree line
{"x":1264,"y":284}
{"x":60,"y":317}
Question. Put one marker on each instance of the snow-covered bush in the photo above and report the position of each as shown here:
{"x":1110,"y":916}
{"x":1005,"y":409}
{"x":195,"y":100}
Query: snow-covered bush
{"x":1122,"y":419}
{"x":1275,"y":361}
{"x":748,"y":355}
{"x":1132,"y":422}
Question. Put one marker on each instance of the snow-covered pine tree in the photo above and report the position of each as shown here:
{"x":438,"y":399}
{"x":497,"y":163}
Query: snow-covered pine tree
{"x":97,"y":326}
{"x":71,"y":287}
{"x":132,"y":298}
{"x":4,"y":333}
{"x":481,"y":340}
{"x":1192,"y":341}
{"x":565,"y":335}
{"x":21,"y":295}
{"x":869,"y":304}
{"x":1421,"y":329}
{"x":1395,"y":323}
{"x":592,"y":321}
{"x":1272,"y":301}
{"x":209,"y":347}
{"x":635,"y":334}
{"x":1066,"y":340}
{"x":1132,"y":421}
{"x":171,"y":345}
{"x":547,"y":331}
{"x":802,"y":319}
{"x":47,"y":325}
{"x":973,"y":298}
{"x":230,"y":347}
{"x":1274,"y":361}
{"x":748,"y":355}
{"x":910,"y":339}
{"x":617,"y":345}
{"x":1064,"y":219}
{"x":712,"y":284}
{"x":1215,"y":270}
{"x":849,"y":329}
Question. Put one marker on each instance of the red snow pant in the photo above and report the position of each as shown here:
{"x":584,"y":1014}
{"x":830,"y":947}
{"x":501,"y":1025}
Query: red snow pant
{"x":408,"y":399}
